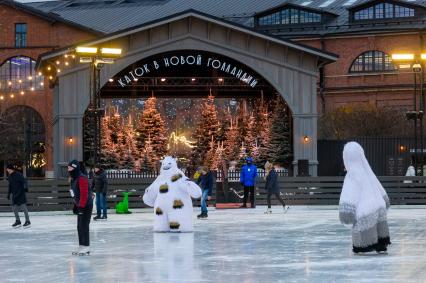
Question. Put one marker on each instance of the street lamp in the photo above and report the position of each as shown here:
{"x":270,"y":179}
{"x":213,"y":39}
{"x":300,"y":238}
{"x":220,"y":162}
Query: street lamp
{"x":415,"y":62}
{"x":97,"y":58}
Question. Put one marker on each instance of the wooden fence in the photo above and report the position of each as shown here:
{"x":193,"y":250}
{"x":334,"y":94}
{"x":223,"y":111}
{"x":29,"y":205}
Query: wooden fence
{"x":55,"y":196}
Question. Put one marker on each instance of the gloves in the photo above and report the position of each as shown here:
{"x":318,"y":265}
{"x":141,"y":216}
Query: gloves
{"x":80,"y":211}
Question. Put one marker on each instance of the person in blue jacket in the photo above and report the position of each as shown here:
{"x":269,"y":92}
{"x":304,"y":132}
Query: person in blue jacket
{"x":248,"y":180}
{"x":205,"y":181}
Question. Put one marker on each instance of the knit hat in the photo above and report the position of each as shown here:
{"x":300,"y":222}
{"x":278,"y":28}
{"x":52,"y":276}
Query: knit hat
{"x":10,"y":166}
{"x":249,"y":159}
{"x":74,"y":164}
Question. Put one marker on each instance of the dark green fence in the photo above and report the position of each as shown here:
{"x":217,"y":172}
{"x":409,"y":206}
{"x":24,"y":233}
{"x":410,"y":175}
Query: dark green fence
{"x":55,"y":196}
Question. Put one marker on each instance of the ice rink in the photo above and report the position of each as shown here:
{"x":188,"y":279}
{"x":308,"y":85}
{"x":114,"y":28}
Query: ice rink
{"x":308,"y":244}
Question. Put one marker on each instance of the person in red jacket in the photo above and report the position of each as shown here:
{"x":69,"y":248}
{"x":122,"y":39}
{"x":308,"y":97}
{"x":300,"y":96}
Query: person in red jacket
{"x":83,"y":201}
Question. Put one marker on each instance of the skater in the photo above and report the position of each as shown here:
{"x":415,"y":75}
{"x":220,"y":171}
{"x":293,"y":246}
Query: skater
{"x":363,"y":203}
{"x":206,"y":181}
{"x":272,"y":187}
{"x":248,"y":179}
{"x":170,"y":195}
{"x":17,"y":188}
{"x":83,"y":201}
{"x":411,"y":172}
{"x":100,"y":186}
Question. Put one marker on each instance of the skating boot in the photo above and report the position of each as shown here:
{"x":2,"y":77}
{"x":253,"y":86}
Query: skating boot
{"x":96,"y":218}
{"x":27,"y":224}
{"x":84,"y":251}
{"x":200,"y":215}
{"x":286,"y":207}
{"x":104,"y":218}
{"x":76,"y":252}
{"x":268,"y":211}
{"x":17,"y":224}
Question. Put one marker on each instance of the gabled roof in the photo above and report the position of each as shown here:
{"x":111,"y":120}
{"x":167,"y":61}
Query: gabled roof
{"x":325,"y":56}
{"x":293,"y":5}
{"x":50,"y":17}
{"x":397,"y":2}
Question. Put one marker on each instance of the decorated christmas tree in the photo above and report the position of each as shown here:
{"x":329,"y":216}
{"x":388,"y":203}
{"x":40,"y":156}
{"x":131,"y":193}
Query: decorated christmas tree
{"x":206,"y":128}
{"x":108,"y":156}
{"x":211,"y":159}
{"x":148,"y":160}
{"x":231,"y":144}
{"x":279,"y":147}
{"x":151,"y":126}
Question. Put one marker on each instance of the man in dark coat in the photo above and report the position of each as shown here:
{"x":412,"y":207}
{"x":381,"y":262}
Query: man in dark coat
{"x":100,"y":187}
{"x":83,"y":200}
{"x":17,"y":188}
{"x":272,"y":187}
{"x":205,"y":181}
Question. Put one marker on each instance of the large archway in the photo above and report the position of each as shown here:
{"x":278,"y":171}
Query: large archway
{"x":214,"y":110}
{"x":23,"y":139}
{"x":290,"y":68}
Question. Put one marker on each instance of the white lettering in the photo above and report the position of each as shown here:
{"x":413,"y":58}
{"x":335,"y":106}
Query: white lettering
{"x":133,"y":76}
{"x":233,"y":71}
{"x":239,"y":73}
{"x":253,"y":83}
{"x":156,"y":66}
{"x":166,"y":62}
{"x":216,"y":64}
{"x":228,"y":68}
{"x":139,"y":72}
{"x":199,"y":59}
{"x":208,"y":62}
{"x":128,"y":80}
{"x":174,"y":60}
{"x":146,"y":68}
{"x":121,"y":83}
{"x":190,"y":60}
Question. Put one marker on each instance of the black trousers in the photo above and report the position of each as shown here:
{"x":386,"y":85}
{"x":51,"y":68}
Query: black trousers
{"x":277,"y":195}
{"x":83,"y":221}
{"x":248,"y":190}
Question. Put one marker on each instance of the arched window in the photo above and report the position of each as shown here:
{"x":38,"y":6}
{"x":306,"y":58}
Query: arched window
{"x":19,"y":74}
{"x":372,"y":61}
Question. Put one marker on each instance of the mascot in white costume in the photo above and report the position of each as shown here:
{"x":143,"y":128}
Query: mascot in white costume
{"x":170,"y":195}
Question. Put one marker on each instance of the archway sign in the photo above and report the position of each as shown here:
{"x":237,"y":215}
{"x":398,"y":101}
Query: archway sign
{"x":291,"y":68}
{"x":194,"y":59}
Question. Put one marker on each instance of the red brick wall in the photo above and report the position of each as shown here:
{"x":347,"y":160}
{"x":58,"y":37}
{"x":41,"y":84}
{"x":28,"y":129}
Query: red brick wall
{"x":42,"y":36}
{"x":342,"y":87}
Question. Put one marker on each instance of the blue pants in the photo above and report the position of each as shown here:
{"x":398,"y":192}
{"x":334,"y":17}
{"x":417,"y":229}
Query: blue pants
{"x":101,"y":204}
{"x":204,"y":201}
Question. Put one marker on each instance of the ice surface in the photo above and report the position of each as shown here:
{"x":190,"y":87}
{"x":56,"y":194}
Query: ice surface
{"x":305,"y":245}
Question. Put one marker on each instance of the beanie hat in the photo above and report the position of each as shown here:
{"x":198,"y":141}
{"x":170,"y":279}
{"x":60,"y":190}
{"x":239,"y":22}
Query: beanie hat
{"x":249,"y":159}
{"x":74,"y":164}
{"x":10,"y":166}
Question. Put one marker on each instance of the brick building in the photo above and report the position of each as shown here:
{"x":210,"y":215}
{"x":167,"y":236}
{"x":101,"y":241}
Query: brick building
{"x":363,"y":33}
{"x":25,"y":33}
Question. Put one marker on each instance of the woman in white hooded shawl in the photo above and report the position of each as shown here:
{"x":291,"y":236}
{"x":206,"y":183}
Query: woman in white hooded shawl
{"x":363,"y":203}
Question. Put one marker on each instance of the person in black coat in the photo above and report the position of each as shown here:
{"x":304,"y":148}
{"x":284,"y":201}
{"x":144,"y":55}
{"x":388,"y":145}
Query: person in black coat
{"x":17,"y":189}
{"x":83,"y":200}
{"x":272,"y":187}
{"x":100,"y":187}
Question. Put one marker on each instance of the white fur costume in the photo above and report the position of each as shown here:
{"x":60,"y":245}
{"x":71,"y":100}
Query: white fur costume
{"x":170,"y":195}
{"x":363,"y":202}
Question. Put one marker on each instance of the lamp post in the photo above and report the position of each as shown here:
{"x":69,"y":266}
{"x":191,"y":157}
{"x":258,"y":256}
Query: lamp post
{"x":97,"y":58}
{"x":415,"y":63}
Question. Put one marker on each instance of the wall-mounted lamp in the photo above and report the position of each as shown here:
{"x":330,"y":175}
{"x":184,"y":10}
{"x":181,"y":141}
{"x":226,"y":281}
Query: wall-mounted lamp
{"x":306,"y":139}
{"x":402,"y":148}
{"x":70,"y":140}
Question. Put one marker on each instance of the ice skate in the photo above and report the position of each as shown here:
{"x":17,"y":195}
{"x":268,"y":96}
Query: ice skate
{"x":268,"y":211}
{"x":104,"y":218}
{"x":286,"y":207}
{"x":76,"y":252}
{"x":84,"y":251}
{"x":17,"y":224}
{"x":27,"y":224}
{"x":96,"y":218}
